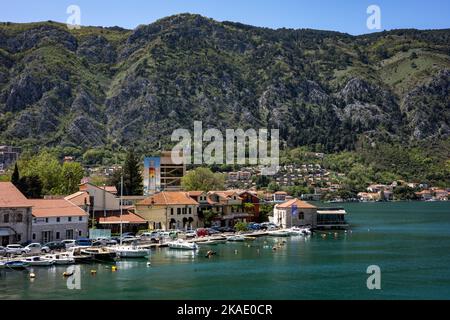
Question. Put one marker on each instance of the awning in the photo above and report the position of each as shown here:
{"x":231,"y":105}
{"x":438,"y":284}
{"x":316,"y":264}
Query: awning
{"x":5,"y":232}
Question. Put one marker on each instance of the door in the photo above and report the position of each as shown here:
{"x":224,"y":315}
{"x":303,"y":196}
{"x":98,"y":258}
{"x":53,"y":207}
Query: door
{"x":69,"y":234}
{"x":47,"y":236}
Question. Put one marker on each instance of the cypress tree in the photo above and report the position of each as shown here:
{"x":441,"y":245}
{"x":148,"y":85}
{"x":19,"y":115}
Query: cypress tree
{"x":132,"y":178}
{"x":15,"y":176}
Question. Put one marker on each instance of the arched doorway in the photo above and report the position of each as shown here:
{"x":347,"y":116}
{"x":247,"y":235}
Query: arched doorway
{"x":172,"y":224}
{"x":185,"y":221}
{"x":190,"y":222}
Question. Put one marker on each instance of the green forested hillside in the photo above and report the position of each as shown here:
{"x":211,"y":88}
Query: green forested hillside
{"x":108,"y":88}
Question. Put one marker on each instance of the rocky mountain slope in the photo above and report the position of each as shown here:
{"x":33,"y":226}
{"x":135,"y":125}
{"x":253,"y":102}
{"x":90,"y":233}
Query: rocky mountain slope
{"x":109,"y":87}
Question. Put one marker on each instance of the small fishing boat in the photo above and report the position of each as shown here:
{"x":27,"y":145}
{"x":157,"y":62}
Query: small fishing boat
{"x":61,"y":258}
{"x":131,"y":251}
{"x":279,"y":233}
{"x":39,"y":261}
{"x":79,"y":257}
{"x":297,"y":231}
{"x":236,"y":238}
{"x":99,"y":254}
{"x":182,"y":245}
{"x":16,"y":265}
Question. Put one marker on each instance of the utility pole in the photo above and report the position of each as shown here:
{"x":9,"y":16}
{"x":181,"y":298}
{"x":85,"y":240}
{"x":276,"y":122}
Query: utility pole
{"x":121,"y":207}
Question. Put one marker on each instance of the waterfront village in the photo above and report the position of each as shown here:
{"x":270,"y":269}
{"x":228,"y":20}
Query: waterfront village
{"x":103,"y":222}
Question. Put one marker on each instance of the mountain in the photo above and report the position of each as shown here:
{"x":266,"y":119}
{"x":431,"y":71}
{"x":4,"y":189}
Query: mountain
{"x":109,"y":87}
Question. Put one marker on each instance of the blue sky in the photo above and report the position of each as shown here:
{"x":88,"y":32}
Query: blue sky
{"x":340,"y":15}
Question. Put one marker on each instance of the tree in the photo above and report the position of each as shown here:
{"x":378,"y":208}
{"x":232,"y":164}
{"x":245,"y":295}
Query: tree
{"x":15,"y":176}
{"x":208,"y":216}
{"x":132,"y":178}
{"x":71,"y":173}
{"x":241,"y":226}
{"x":203,"y":179}
{"x":273,"y":187}
{"x":30,"y":186}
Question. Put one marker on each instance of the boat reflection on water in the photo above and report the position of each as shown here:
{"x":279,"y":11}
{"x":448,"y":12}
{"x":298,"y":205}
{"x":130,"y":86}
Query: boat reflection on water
{"x":181,"y":254}
{"x":130,"y":264}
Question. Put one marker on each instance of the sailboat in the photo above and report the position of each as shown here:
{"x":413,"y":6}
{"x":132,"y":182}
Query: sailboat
{"x":133,"y":251}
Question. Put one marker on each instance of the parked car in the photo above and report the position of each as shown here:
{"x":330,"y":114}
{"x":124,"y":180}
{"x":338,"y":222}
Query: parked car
{"x":36,"y":248}
{"x":212,"y":231}
{"x":202,"y":232}
{"x":69,"y":243}
{"x":56,"y":245}
{"x":153,"y":236}
{"x":254,"y":226}
{"x":226,"y":229}
{"x":190,"y":234}
{"x":2,"y":251}
{"x":83,"y":242}
{"x":104,"y":242}
{"x":14,"y":249}
{"x":125,"y":234}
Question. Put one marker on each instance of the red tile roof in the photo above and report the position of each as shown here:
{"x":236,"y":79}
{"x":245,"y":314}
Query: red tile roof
{"x":79,"y":198}
{"x":43,"y":208}
{"x":168,"y":198}
{"x":126,"y":218}
{"x":297,"y":202}
{"x":11,"y":197}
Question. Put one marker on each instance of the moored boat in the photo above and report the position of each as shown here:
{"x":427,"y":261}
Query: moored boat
{"x":279,"y":233}
{"x":131,"y":251}
{"x":39,"y":261}
{"x":236,"y":238}
{"x":61,"y":258}
{"x":16,"y":265}
{"x":299,"y":231}
{"x":182,"y":245}
{"x":99,"y":254}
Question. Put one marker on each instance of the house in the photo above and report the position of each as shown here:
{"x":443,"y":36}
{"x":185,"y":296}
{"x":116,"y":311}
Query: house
{"x":57,"y":219}
{"x":228,"y":206}
{"x":253,"y":203}
{"x":102,"y":200}
{"x":15,"y":215}
{"x":368,"y":196}
{"x":440,"y":194}
{"x":279,"y":196}
{"x":295,"y":212}
{"x":424,"y":195}
{"x":331,"y":218}
{"x":374,"y":188}
{"x":169,"y":210}
{"x":8,"y":156}
{"x":130,"y":221}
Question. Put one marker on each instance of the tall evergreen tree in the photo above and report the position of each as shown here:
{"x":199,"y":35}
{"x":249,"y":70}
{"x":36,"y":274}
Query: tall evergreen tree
{"x":132,"y":178}
{"x":15,"y":176}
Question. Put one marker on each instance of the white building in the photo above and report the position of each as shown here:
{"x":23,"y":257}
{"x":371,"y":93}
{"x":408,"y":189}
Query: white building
{"x":295,"y":212}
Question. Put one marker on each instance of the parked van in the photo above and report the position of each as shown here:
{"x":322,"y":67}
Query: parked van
{"x":83,"y":242}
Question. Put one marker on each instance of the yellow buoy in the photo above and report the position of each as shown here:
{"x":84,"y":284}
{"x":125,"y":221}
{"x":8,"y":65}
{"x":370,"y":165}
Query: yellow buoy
{"x":113,"y":268}
{"x":93,"y":272}
{"x":32,"y":275}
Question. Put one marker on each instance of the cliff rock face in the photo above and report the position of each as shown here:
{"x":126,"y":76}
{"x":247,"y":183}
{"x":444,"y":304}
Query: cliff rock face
{"x":106,"y":86}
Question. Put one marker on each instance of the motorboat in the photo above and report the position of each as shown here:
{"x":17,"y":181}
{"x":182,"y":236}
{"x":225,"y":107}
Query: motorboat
{"x":279,"y":233}
{"x":39,"y":261}
{"x":182,"y":245}
{"x":299,"y":231}
{"x":16,"y":265}
{"x":61,"y":258}
{"x":80,"y":257}
{"x":209,"y":242}
{"x":131,"y":251}
{"x":236,"y":238}
{"x":99,"y":254}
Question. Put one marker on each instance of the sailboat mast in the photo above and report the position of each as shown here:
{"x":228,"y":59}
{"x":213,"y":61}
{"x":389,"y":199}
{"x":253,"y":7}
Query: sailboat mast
{"x":121,"y":206}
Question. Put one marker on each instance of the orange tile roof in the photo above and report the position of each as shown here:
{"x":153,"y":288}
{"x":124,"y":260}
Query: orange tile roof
{"x":297,"y":202}
{"x":55,"y":208}
{"x":280,"y":192}
{"x":11,"y":197}
{"x":168,"y":198}
{"x":195,"y":193}
{"x":126,"y":218}
{"x":79,"y":198}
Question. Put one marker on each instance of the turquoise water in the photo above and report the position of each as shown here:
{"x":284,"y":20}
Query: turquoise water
{"x":409,"y":241}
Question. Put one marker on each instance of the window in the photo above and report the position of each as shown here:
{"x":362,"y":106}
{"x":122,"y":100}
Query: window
{"x":58,"y":219}
{"x":6,"y":218}
{"x":80,"y":218}
{"x":301,"y":216}
{"x":69,"y":219}
{"x":19,"y":218}
{"x":46,"y":220}
{"x":171,"y":211}
{"x":184,"y":210}
{"x":18,"y":237}
{"x":57,"y":235}
{"x":34,"y":236}
{"x":178,"y":210}
{"x":79,"y":233}
{"x":190,"y":210}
